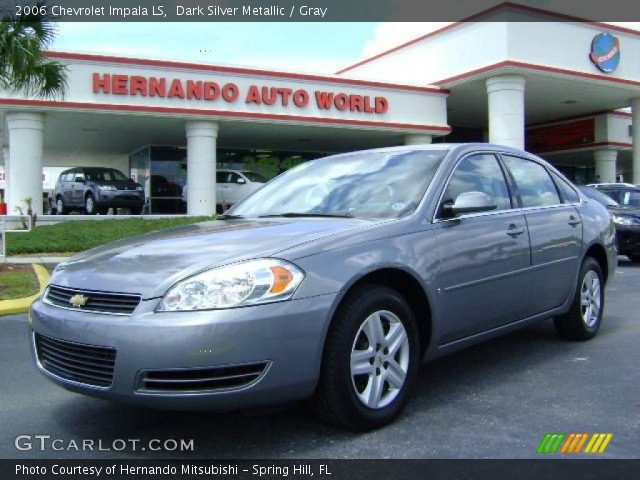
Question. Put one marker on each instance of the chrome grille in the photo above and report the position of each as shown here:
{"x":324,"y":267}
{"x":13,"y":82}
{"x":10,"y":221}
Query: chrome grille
{"x":104,"y":302}
{"x":77,"y":362}
{"x":201,"y":379}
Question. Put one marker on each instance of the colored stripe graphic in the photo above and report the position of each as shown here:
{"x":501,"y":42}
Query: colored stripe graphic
{"x":551,"y":442}
{"x":573,"y":443}
{"x":598,"y":443}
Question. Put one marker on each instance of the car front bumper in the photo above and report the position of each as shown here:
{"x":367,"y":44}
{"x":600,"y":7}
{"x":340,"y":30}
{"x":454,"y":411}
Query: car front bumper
{"x":628,"y":239}
{"x":288,"y":335}
{"x":119,"y":198}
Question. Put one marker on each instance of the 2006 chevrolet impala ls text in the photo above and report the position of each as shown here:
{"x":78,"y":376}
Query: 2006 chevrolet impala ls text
{"x":332,"y":282}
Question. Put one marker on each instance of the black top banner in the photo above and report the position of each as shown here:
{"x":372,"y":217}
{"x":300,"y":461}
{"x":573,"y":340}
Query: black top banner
{"x":323,"y":10}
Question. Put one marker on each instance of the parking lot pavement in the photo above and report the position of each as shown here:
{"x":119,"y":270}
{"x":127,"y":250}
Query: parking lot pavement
{"x":494,"y":400}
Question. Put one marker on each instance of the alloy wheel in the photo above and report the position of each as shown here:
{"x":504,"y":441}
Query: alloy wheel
{"x":379,"y":359}
{"x":59,"y":206}
{"x":590,"y":301}
{"x":90,"y":205}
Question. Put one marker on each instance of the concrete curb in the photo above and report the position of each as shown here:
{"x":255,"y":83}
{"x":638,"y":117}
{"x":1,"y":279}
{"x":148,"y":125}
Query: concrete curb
{"x":21,"y":305}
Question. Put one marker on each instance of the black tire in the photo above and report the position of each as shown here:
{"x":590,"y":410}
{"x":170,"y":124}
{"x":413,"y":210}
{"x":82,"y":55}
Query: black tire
{"x":573,"y":325}
{"x":634,"y":257}
{"x":60,"y":209}
{"x":90,"y":205}
{"x":336,"y":399}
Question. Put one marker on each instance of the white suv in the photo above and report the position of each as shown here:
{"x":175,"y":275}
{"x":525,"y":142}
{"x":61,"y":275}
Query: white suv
{"x":233,"y":185}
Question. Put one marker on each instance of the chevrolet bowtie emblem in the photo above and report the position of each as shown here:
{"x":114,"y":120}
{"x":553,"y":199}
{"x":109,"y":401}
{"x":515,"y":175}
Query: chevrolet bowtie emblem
{"x":78,"y":300}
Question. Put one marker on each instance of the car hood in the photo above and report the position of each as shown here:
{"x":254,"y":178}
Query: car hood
{"x":149,"y":264}
{"x":631,"y":211}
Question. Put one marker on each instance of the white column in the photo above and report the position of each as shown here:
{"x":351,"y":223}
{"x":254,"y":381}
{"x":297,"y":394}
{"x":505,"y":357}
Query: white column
{"x":606,"y":165}
{"x":5,"y":155}
{"x":417,"y":139}
{"x":506,"y":110}
{"x":635,"y":133}
{"x":25,"y":159}
{"x":201,"y":167}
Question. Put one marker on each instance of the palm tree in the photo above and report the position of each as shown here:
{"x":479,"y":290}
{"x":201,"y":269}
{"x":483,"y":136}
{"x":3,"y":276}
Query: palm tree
{"x":23,"y":65}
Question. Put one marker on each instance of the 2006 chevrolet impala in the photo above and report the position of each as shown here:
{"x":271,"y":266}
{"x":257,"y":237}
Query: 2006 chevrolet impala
{"x":332,"y":282}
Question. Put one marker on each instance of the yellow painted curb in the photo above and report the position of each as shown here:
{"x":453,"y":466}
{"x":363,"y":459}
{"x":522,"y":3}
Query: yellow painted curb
{"x":21,"y":305}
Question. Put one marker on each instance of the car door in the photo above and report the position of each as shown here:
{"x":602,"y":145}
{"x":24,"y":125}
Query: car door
{"x":555,"y":231}
{"x":78,"y":187}
{"x":238,"y":188}
{"x":484,"y":257}
{"x":67,"y":187}
{"x":222,"y":187}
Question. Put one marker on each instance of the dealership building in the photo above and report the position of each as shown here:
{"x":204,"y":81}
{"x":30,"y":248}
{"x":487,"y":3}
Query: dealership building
{"x":565,"y":88}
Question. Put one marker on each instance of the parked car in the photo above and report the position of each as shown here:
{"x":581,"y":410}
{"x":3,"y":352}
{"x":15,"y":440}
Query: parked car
{"x":332,"y":282}
{"x":627,"y":220}
{"x":233,"y":185}
{"x":95,"y":190}
{"x":625,"y":194}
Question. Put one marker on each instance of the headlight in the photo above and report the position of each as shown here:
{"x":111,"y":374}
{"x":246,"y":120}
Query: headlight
{"x":620,"y":220}
{"x":106,"y":187}
{"x":246,"y":283}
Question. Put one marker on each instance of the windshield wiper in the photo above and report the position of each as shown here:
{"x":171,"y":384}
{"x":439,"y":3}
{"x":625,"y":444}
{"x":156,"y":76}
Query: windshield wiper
{"x":308,"y":214}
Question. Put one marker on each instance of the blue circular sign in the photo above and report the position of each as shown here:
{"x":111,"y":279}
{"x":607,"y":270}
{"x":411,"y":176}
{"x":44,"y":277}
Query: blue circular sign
{"x":605,"y":52}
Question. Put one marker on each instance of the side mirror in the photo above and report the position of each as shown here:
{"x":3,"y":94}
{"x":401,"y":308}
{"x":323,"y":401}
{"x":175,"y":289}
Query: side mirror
{"x":241,"y":180}
{"x":469,"y":202}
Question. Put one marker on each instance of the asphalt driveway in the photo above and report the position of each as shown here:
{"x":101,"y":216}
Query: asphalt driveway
{"x":494,"y":400}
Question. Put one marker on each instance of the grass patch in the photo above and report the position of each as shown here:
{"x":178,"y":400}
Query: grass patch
{"x":17,"y":281}
{"x":76,"y":236}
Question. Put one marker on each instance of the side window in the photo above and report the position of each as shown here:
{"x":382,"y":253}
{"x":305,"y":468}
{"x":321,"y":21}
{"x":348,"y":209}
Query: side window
{"x":233,"y":177}
{"x":479,"y":173}
{"x":534,"y":183}
{"x":569,"y":195}
{"x":70,"y":176}
{"x":78,"y":175}
{"x":222,"y":177}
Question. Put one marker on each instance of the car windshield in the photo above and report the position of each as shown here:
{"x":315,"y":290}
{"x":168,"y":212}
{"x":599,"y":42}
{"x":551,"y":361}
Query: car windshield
{"x":381,"y":184}
{"x":599,"y":197}
{"x":104,"y":175}
{"x":254,"y":177}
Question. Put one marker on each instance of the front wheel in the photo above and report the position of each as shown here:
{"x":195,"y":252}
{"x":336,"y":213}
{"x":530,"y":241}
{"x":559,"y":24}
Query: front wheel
{"x":90,"y":205}
{"x":583,"y":320}
{"x":59,"y":206}
{"x":370,"y":360}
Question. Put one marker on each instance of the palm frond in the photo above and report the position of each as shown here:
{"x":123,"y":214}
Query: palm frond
{"x":23,"y":65}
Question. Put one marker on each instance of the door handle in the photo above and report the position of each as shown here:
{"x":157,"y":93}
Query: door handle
{"x":573,"y":221}
{"x":514,"y":230}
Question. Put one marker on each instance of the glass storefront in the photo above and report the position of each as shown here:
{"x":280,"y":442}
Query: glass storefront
{"x":162,"y":170}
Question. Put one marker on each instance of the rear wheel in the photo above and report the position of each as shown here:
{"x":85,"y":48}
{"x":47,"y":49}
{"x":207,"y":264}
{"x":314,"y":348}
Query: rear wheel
{"x":583,"y":320}
{"x":370,"y":360}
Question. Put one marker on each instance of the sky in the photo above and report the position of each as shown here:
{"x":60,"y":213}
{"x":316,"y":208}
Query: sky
{"x":300,"y":47}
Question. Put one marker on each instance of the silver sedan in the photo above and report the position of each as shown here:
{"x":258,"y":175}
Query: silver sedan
{"x":333,"y":282}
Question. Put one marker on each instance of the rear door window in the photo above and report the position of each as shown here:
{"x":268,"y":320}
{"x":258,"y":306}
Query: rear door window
{"x":569,"y":195}
{"x":534,"y":183}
